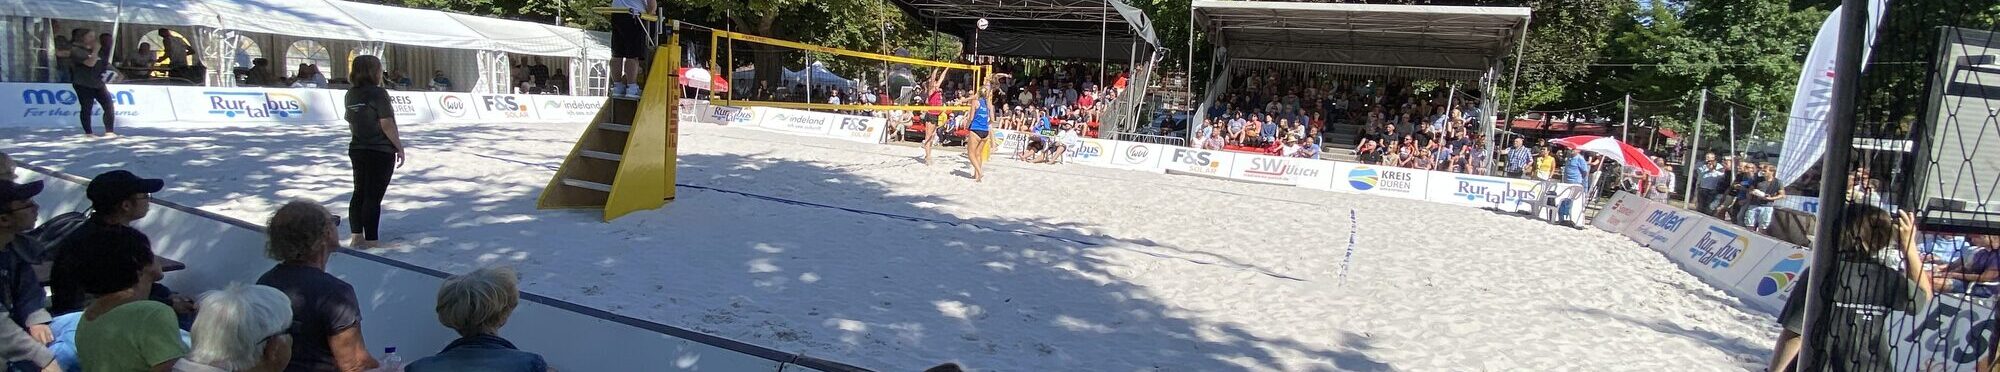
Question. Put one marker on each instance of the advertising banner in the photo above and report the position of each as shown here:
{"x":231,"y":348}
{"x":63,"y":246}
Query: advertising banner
{"x":1090,"y":151}
{"x":1720,"y":253}
{"x":411,"y":107}
{"x":819,"y":124}
{"x":255,"y":105}
{"x":1770,"y":284}
{"x":506,"y":108}
{"x":1200,"y":162}
{"x":1660,"y":226}
{"x":567,"y":108}
{"x":793,"y":121}
{"x":726,"y":115}
{"x":1138,"y":156}
{"x":1006,"y":142}
{"x":1949,"y":333}
{"x":452,"y":107}
{"x":39,"y":104}
{"x":1278,"y":170}
{"x":1379,"y":180}
{"x":1506,"y":194}
{"x":864,"y":129}
{"x":1624,"y":210}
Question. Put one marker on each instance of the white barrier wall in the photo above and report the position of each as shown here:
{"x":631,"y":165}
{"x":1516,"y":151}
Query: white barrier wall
{"x":864,"y":129}
{"x":1950,"y":330}
{"x":41,"y":104}
{"x":398,"y":300}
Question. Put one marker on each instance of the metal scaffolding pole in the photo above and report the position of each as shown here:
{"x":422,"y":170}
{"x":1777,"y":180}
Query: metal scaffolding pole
{"x":1696,"y":148}
{"x":1627,"y":130}
{"x":1833,"y":177}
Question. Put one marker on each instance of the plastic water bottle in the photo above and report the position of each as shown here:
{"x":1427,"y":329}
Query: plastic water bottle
{"x":390,"y":361}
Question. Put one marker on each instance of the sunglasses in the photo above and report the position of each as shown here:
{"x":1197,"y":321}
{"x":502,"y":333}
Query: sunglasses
{"x":336,"y":220}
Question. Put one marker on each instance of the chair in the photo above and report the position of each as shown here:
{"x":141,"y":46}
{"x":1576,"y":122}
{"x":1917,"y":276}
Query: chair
{"x":1553,"y":195}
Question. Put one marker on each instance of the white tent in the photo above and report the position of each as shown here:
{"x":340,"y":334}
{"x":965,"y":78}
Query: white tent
{"x":151,"y":12}
{"x":413,"y":27}
{"x":423,"y":39}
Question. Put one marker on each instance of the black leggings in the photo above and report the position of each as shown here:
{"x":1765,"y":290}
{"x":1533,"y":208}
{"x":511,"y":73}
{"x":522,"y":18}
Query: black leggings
{"x":371,"y":180}
{"x":91,"y":97}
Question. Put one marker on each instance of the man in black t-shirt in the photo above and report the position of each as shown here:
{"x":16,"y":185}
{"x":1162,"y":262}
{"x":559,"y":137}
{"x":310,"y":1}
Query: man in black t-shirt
{"x":538,"y":73}
{"x":86,"y":77}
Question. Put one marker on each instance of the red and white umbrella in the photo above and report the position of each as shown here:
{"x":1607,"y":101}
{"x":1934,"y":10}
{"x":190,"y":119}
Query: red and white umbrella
{"x":1612,"y":148}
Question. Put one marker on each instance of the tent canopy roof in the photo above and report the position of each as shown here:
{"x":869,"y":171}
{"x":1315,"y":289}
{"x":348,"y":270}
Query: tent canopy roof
{"x":329,"y":20}
{"x":1066,"y":29}
{"x":1468,"y":38}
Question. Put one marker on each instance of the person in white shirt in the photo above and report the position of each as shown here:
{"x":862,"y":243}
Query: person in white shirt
{"x":1712,"y":175}
{"x":1067,"y":139}
{"x":1662,"y":185}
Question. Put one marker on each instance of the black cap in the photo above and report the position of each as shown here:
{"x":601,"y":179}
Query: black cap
{"x":115,"y":186}
{"x":11,"y":192}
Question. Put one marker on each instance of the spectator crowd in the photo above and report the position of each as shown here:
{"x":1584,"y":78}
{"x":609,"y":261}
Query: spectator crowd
{"x":105,"y":308}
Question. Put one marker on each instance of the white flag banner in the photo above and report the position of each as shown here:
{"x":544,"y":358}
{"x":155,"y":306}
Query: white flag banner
{"x":1805,"y":135}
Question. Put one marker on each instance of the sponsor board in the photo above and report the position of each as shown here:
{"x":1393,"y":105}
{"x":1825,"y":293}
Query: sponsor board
{"x":1771,"y":283}
{"x":863,"y":129}
{"x":1138,"y":156}
{"x":1090,"y":151}
{"x":39,"y":104}
{"x":411,"y":107}
{"x":505,"y":108}
{"x":1506,"y":194}
{"x":1660,"y":225}
{"x":453,"y":107}
{"x":1278,"y":170}
{"x":1948,"y":333}
{"x":1379,"y":180}
{"x":1202,"y":162}
{"x":794,"y":121}
{"x":726,"y":115}
{"x":857,"y":128}
{"x":1006,"y":142}
{"x":1721,"y":253}
{"x":1625,"y":209}
{"x":567,"y":108}
{"x":255,"y":105}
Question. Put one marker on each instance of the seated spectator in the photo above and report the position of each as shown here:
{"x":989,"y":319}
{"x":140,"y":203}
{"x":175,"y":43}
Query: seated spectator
{"x":142,"y":58}
{"x":121,"y":330}
{"x":117,"y":198}
{"x":241,"y":328}
{"x":24,"y":339}
{"x":261,"y":73}
{"x":439,"y":82}
{"x":558,"y":83}
{"x":302,"y":236}
{"x":1974,"y":273}
{"x":476,"y":305}
{"x":397,"y":80}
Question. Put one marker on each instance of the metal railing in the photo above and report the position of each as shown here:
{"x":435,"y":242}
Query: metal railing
{"x":1148,"y":138}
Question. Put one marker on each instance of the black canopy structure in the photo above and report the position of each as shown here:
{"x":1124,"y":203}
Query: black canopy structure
{"x":1440,"y":42}
{"x":1106,"y":30}
{"x":1466,"y":39}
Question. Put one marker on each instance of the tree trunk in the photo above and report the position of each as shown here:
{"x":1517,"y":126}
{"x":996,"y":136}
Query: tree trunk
{"x":769,"y":59}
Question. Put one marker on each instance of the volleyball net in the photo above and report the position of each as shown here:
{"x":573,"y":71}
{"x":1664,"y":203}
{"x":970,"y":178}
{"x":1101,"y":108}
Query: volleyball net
{"x":766,"y":72}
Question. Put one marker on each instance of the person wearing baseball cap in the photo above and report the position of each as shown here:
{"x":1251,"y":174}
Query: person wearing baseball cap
{"x":116,"y":199}
{"x":24,"y":338}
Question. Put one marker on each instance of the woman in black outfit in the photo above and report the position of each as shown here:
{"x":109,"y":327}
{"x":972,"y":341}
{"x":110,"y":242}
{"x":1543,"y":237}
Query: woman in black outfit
{"x":375,"y":147}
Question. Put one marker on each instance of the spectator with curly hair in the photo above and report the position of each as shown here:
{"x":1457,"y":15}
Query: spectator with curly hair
{"x":302,"y":237}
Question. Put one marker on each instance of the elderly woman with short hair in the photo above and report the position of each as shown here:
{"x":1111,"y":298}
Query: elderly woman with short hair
{"x":241,"y":328}
{"x":477,"y":304}
{"x":302,"y":237}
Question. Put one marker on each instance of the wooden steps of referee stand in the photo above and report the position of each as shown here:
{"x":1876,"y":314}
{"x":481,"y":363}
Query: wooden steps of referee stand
{"x":620,"y":167}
